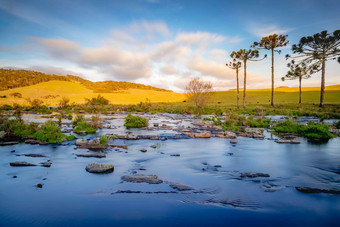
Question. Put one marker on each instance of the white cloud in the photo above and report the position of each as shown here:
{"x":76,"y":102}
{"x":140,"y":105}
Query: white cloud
{"x":262,"y":30}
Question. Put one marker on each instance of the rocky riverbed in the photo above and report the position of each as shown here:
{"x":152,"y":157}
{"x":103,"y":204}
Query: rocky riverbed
{"x":179,"y":168}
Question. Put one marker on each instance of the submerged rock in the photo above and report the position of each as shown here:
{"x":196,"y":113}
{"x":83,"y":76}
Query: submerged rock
{"x":253,"y":175}
{"x":317,"y":190}
{"x":143,"y":150}
{"x":46,"y":164}
{"x":99,"y":168}
{"x":8,"y":143}
{"x":153,"y":146}
{"x":21,"y":164}
{"x":35,"y":155}
{"x":180,"y":187}
{"x":233,"y":141}
{"x":175,"y":155}
{"x":92,"y":155}
{"x":287,"y":141}
{"x":141,"y":178}
{"x":39,"y":185}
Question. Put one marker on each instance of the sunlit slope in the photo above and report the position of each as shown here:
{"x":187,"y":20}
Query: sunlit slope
{"x":51,"y":92}
{"x":332,"y":96}
{"x":296,"y":89}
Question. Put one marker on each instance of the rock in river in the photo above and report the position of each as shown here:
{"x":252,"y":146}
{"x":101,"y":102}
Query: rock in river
{"x":317,"y":190}
{"x":92,"y":155}
{"x":141,"y":178}
{"x":180,"y":187}
{"x":253,"y":175}
{"x":99,"y":168}
{"x":21,"y":164}
{"x":202,"y":135}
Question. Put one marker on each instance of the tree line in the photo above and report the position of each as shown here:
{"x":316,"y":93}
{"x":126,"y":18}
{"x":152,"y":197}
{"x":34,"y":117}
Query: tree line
{"x":308,"y":57}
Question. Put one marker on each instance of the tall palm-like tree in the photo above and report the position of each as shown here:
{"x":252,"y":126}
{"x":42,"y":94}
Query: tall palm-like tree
{"x":298,"y":71}
{"x":271,"y":43}
{"x":315,"y":50}
{"x":236,"y":65}
{"x":245,"y":55}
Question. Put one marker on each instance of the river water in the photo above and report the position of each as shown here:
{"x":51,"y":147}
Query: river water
{"x":211,"y":167}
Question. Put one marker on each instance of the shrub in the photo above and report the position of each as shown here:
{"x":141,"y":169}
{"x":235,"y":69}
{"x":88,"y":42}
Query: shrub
{"x":16,"y":95}
{"x":96,"y":122}
{"x":35,"y":103}
{"x":51,"y":133}
{"x":135,"y":122}
{"x":63,"y":103}
{"x":316,"y":131}
{"x":287,"y":126}
{"x":313,"y":131}
{"x":69,"y":116}
{"x":103,"y":140}
{"x":77,"y":119}
{"x":83,"y":126}
{"x":99,"y":100}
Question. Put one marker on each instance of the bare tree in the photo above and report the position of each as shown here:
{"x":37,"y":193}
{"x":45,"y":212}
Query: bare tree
{"x":198,"y":92}
{"x":234,"y":64}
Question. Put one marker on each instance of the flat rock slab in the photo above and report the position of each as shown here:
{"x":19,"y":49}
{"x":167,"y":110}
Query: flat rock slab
{"x":21,"y":164}
{"x":180,"y":187}
{"x":253,"y":175}
{"x":175,"y":155}
{"x":8,"y":143}
{"x":95,"y":155}
{"x":46,"y":164}
{"x":99,"y":168}
{"x":141,"y":178}
{"x":317,"y":190}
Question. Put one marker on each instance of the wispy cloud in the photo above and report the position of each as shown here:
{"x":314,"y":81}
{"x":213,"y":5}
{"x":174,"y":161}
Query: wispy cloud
{"x":261,"y":30}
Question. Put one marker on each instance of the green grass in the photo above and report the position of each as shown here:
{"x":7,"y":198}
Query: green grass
{"x":135,"y":122}
{"x":83,"y":126}
{"x":51,"y":133}
{"x":313,"y":131}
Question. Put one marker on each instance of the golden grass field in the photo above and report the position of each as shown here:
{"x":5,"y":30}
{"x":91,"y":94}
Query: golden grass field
{"x":51,"y":92}
{"x":77,"y":93}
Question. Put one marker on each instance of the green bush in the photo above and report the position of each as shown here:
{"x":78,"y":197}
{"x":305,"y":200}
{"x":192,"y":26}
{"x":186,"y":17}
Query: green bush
{"x":316,"y":131}
{"x":287,"y":126}
{"x":51,"y":133}
{"x":313,"y":131}
{"x":135,"y":122}
{"x":77,"y":119}
{"x":83,"y":126}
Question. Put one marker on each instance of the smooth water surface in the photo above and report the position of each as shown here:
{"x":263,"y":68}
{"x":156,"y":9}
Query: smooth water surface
{"x":212,"y":167}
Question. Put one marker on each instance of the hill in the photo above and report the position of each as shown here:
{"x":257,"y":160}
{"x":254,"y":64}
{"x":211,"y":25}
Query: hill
{"x":52,"y":91}
{"x":13,"y":78}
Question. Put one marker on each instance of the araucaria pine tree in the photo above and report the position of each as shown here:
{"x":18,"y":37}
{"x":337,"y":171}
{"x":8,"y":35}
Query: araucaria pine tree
{"x":245,"y":55}
{"x":236,"y":65}
{"x":271,"y":43}
{"x":315,"y":50}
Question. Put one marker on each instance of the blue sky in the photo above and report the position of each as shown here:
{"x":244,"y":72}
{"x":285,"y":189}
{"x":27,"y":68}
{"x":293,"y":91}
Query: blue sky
{"x":157,"y":42}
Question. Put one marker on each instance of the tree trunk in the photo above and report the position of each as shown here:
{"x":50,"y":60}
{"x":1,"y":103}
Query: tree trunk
{"x":322,"y":95}
{"x":272,"y":101}
{"x":300,"y":78}
{"x":238,"y":90}
{"x":244,"y":83}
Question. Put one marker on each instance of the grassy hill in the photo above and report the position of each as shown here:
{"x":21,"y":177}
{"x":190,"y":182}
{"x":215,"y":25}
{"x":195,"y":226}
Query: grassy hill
{"x":13,"y":78}
{"x":52,"y":91}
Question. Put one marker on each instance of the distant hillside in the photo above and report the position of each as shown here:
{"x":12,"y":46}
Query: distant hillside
{"x":13,"y":78}
{"x":52,"y":92}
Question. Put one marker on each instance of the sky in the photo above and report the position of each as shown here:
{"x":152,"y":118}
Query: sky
{"x":162,"y":43}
